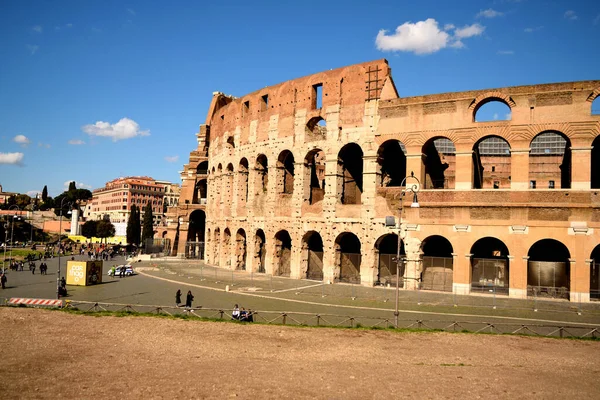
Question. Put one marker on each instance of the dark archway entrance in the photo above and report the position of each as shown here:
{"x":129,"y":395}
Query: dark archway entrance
{"x":348,"y":257}
{"x":312,"y":248}
{"x":283,"y":254}
{"x":226,"y":248}
{"x":595,"y":177}
{"x":387,"y":247}
{"x":240,"y":250}
{"x":314,"y":176}
{"x":595,"y":274}
{"x":392,"y":163}
{"x":350,"y":174}
{"x":439,"y":156}
{"x":260,"y":251}
{"x":437,"y":264}
{"x":548,"y":269}
{"x":489,"y":266}
{"x":194,"y":246}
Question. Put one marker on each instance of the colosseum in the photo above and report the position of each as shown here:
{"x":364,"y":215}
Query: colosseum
{"x":336,"y":177}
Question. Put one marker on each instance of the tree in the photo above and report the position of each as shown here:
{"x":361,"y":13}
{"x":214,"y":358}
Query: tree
{"x":89,"y":228}
{"x":45,"y":193}
{"x":105,"y":229}
{"x":133,"y":226}
{"x":72,"y":186}
{"x":74,"y":196}
{"x":148,"y":228}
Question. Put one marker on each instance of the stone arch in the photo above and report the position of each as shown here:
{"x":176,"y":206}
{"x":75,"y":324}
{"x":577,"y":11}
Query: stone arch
{"x":391,"y":160}
{"x":595,"y":273}
{"x":261,"y":181}
{"x":491,"y":163}
{"x":285,"y":172}
{"x":594,"y":95}
{"x":490,"y":96}
{"x":216,"y":242}
{"x":437,"y":271}
{"x":439,"y":163}
{"x":243,"y":169}
{"x":595,"y":164}
{"x":314,"y":176}
{"x":282,"y":259}
{"x":316,"y":129}
{"x":348,"y":257}
{"x":548,"y":269}
{"x":386,"y":249}
{"x":550,"y":161}
{"x":226,"y":248}
{"x":312,"y":255}
{"x":200,"y":192}
{"x":197,"y":225}
{"x":240,"y":250}
{"x":260,"y":250}
{"x":350,"y":174}
{"x":489,"y":266}
{"x":202,"y":168}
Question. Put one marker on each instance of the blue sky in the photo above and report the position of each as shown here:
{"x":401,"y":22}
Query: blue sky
{"x":94,"y":90}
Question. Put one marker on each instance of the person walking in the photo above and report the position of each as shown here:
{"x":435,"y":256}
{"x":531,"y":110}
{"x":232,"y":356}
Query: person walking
{"x":3,"y":280}
{"x":189,"y":299}
{"x":178,"y":298}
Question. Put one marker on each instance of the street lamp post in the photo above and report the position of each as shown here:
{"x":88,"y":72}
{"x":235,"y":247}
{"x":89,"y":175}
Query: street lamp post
{"x":59,"y":240}
{"x":414,"y":188}
{"x":12,"y":227}
{"x":5,"y":246}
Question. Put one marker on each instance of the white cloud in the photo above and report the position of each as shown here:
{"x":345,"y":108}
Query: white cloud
{"x":37,"y":29}
{"x":508,"y":116}
{"x":537,"y":28}
{"x":495,"y":117}
{"x":468,"y":31}
{"x":11,"y":158}
{"x":571,"y":15}
{"x":76,"y":142}
{"x":489,"y":13}
{"x":506,"y":52}
{"x":423,"y":37}
{"x":78,"y":185}
{"x":46,"y":145}
{"x":34,"y":193}
{"x":124,"y":129}
{"x":449,"y":27}
{"x":131,"y":11}
{"x":33,"y":48}
{"x":69,"y":25}
{"x":22,"y":140}
{"x":171,"y":159}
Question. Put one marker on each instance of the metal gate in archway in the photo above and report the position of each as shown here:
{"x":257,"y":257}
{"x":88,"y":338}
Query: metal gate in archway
{"x":194,"y":250}
{"x":315,"y":265}
{"x":437,"y":273}
{"x":350,"y":267}
{"x":285,"y":262}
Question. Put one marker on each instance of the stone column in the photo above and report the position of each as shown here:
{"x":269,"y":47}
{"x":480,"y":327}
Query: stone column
{"x":414,"y":163}
{"x":414,"y":266}
{"x":519,"y":169}
{"x":461,"y":274}
{"x":463,"y":178}
{"x":518,"y":277}
{"x":581,"y":167}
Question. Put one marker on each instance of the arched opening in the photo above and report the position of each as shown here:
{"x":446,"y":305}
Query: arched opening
{"x":391,"y":158}
{"x":194,"y":246}
{"x":283,"y":254}
{"x":595,"y":176}
{"x":387,"y":248}
{"x":312,"y":249}
{"x":202,"y":168}
{"x":285,"y":172}
{"x":439,"y":159}
{"x":596,"y":106}
{"x":200,"y":193}
{"x":216,"y":246}
{"x":229,"y":186}
{"x":548,"y":269}
{"x":491,"y":163}
{"x":260,"y":251}
{"x":240,"y":250}
{"x":226,"y":248}
{"x":595,"y":274}
{"x":314,"y":176}
{"x":437,"y":264}
{"x":261,"y":181}
{"x":492,"y":109}
{"x":550,"y":161}
{"x":243,"y":182}
{"x":350,"y":174}
{"x":348,"y":257}
{"x":316,"y":129}
{"x":489,"y":266}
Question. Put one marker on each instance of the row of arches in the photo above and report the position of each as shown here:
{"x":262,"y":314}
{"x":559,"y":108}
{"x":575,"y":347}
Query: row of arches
{"x":548,"y":265}
{"x":495,"y":108}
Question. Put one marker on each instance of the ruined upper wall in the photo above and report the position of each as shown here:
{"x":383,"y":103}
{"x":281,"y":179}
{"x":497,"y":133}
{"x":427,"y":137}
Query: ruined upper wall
{"x":347,"y":87}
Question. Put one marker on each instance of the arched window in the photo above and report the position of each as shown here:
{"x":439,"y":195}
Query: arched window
{"x":348,"y":257}
{"x":491,"y":163}
{"x":595,"y":173}
{"x":314,"y":176}
{"x":283,"y":254}
{"x":492,"y":109}
{"x":240,"y":250}
{"x":285,"y":172}
{"x":391,"y":158}
{"x":596,"y":106}
{"x":550,"y":161}
{"x":437,"y":264}
{"x":387,"y":247}
{"x":350,"y":174}
{"x":262,"y":175}
{"x":243,"y":182}
{"x":316,"y":129}
{"x":439,"y":159}
{"x":548,"y":269}
{"x":489,"y":266}
{"x":312,"y":248}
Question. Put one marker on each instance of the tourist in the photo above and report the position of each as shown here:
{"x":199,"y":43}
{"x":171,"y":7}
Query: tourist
{"x":178,"y":298}
{"x":3,"y":280}
{"x":235,"y":314}
{"x":189,"y":299}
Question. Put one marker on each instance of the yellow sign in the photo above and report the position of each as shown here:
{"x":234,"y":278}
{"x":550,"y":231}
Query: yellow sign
{"x":84,"y":273}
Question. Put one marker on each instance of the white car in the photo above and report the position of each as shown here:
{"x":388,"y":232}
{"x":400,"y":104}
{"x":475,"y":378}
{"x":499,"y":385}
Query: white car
{"x":128,"y":270}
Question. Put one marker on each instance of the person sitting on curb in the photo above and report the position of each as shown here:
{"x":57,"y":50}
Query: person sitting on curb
{"x":235,"y":314}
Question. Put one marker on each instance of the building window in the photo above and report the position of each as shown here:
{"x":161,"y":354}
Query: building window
{"x":531,"y":184}
{"x":550,"y":184}
{"x":496,"y":184}
{"x":493,"y":168}
{"x":264,"y":104}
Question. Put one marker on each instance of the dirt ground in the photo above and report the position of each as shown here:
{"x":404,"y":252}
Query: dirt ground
{"x":51,"y":354}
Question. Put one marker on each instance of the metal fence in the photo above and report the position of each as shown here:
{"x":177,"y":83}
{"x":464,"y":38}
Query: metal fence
{"x":194,"y":250}
{"x":336,"y":320}
{"x":437,"y":274}
{"x":489,"y":276}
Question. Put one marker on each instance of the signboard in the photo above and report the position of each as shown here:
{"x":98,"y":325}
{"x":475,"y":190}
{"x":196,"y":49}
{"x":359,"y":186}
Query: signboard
{"x":84,"y":273}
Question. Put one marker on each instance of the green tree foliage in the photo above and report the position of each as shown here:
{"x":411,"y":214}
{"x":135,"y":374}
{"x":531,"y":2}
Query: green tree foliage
{"x":20,"y":200}
{"x":47,"y":204}
{"x":72,"y":186}
{"x":88,"y":229}
{"x":105,"y":229}
{"x":133,"y":226}
{"x":45,"y":193}
{"x":75,"y":197}
{"x":148,"y":228}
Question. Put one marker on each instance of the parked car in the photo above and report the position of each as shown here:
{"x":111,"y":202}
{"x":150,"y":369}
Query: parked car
{"x":128,"y":270}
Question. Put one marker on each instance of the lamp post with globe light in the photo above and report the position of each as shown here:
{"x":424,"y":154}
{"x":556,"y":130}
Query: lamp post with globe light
{"x":12,"y":227}
{"x":69,"y":204}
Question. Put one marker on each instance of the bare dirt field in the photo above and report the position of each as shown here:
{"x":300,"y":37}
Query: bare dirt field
{"x":51,"y":354}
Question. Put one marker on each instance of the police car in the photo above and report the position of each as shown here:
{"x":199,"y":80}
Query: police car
{"x":128,"y":270}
